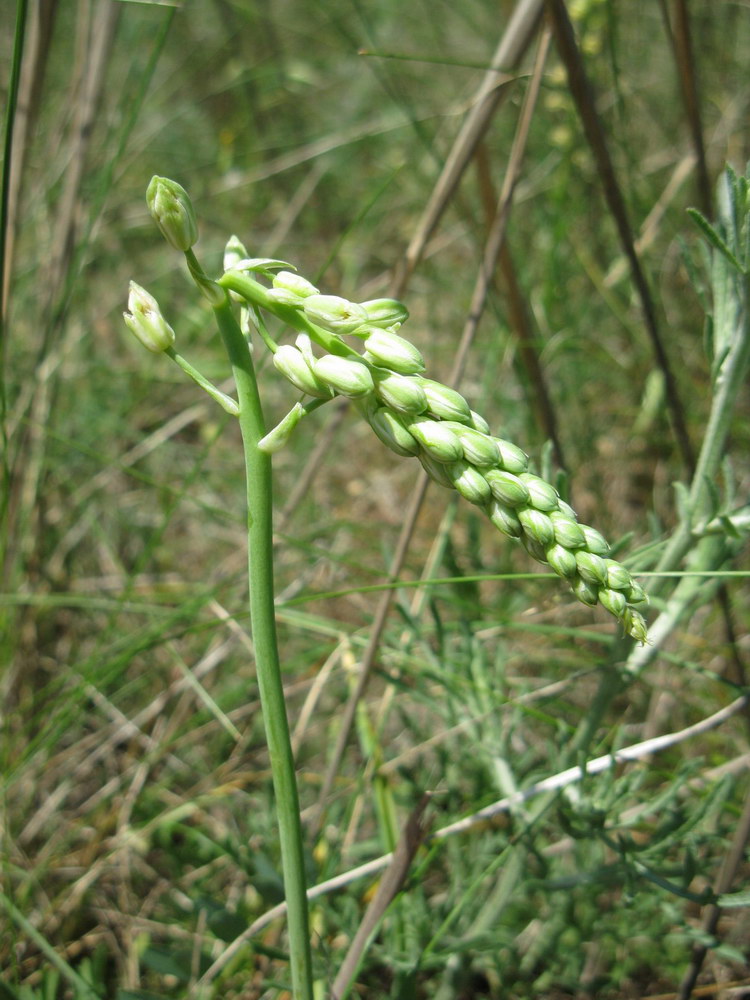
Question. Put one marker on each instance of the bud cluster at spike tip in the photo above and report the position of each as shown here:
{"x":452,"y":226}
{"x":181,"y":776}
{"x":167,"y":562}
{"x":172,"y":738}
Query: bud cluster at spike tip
{"x":416,"y":416}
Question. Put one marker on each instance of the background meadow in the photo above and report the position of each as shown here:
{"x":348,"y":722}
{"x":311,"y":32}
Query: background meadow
{"x":138,"y":836}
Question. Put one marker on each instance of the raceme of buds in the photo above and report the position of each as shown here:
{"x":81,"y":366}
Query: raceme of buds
{"x":146,"y":321}
{"x":172,"y":211}
{"x":416,"y":416}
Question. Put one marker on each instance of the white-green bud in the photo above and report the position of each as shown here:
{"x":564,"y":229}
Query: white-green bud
{"x":537,"y":526}
{"x":505,"y":519}
{"x":146,"y":321}
{"x":347,"y":376}
{"x":385,"y":312}
{"x":507,"y":488}
{"x":391,"y":431}
{"x":279,"y":436}
{"x":568,"y":532}
{"x":592,"y":568}
{"x":561,"y":560}
{"x":172,"y":211}
{"x":618,"y":578}
{"x":470,"y":483}
{"x":234,"y":252}
{"x":435,"y":470}
{"x":293,"y":366}
{"x":479,"y":448}
{"x":636,"y":594}
{"x":437,"y":440}
{"x":390,"y":351}
{"x":295,"y":283}
{"x":445,"y":403}
{"x":541,"y":494}
{"x":533,"y":547}
{"x":634,"y":625}
{"x":479,"y":423}
{"x":585,"y":592}
{"x":595,"y":542}
{"x":403,"y":393}
{"x":614,"y":601}
{"x":333,"y":313}
{"x":512,"y":459}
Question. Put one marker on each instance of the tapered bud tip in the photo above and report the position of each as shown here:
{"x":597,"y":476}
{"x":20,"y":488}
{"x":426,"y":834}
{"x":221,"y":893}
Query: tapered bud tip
{"x":146,"y":321}
{"x":172,"y":211}
{"x":234,"y":252}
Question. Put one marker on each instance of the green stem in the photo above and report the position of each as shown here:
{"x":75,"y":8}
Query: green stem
{"x":262,"y":616}
{"x":224,"y":401}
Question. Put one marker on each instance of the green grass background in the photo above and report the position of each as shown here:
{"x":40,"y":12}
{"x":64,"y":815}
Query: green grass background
{"x":138,"y":827}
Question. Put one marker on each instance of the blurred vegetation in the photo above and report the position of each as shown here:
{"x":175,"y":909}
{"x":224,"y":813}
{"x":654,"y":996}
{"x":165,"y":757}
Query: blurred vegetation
{"x":138,"y":829}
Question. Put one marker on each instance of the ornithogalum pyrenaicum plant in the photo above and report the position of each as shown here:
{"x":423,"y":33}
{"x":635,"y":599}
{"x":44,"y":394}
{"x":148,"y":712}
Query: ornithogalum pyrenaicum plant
{"x":357,"y":350}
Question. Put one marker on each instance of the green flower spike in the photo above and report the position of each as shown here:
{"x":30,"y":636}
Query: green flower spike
{"x":146,"y":321}
{"x":172,"y":211}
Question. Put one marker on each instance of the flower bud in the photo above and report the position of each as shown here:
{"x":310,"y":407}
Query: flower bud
{"x":479,"y":449}
{"x":445,"y":403}
{"x":234,"y":252}
{"x":537,"y":526}
{"x":592,"y":568}
{"x":291,"y":282}
{"x":568,"y":532}
{"x":541,"y":495}
{"x":585,"y":592}
{"x":618,"y":578}
{"x":388,"y":427}
{"x":505,"y":519}
{"x":594,"y":541}
{"x":512,"y":459}
{"x":293,"y":366}
{"x":470,"y":483}
{"x":479,"y":423}
{"x":634,"y":625}
{"x":172,"y":211}
{"x":438,"y":441}
{"x":385,"y":312}
{"x":636,"y":594}
{"x":613,"y":601}
{"x":401,"y":392}
{"x":146,"y":321}
{"x":333,"y":313}
{"x":278,"y":437}
{"x":561,"y":560}
{"x":507,"y":488}
{"x":347,"y":376}
{"x":435,"y":470}
{"x":532,"y":546}
{"x":390,"y":351}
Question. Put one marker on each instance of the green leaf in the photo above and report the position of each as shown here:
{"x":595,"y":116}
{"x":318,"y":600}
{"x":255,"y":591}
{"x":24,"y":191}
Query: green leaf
{"x":713,"y":238}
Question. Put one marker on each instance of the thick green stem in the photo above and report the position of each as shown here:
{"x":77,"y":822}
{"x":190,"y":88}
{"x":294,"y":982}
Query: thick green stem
{"x":262,"y":615}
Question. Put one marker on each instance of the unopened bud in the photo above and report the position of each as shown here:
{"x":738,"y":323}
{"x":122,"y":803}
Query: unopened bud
{"x":479,"y":448}
{"x":512,"y":459}
{"x":333,"y":313}
{"x":290,"y":289}
{"x":614,"y":601}
{"x":561,"y":560}
{"x":437,"y":440}
{"x":592,"y":568}
{"x":568,"y":532}
{"x":345,"y":375}
{"x":507,"y":488}
{"x":146,"y":321}
{"x":595,"y":542}
{"x":234,"y":252}
{"x":585,"y":592}
{"x":390,"y":351}
{"x":293,"y":366}
{"x":470,"y":483}
{"x":505,"y":519}
{"x":172,"y":211}
{"x":537,"y":526}
{"x":394,"y":435}
{"x":541,"y":494}
{"x":445,"y":403}
{"x":401,"y":392}
{"x":385,"y":312}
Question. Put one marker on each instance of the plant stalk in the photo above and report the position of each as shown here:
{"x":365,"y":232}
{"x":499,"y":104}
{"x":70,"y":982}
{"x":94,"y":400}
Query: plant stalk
{"x":263,"y":622}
